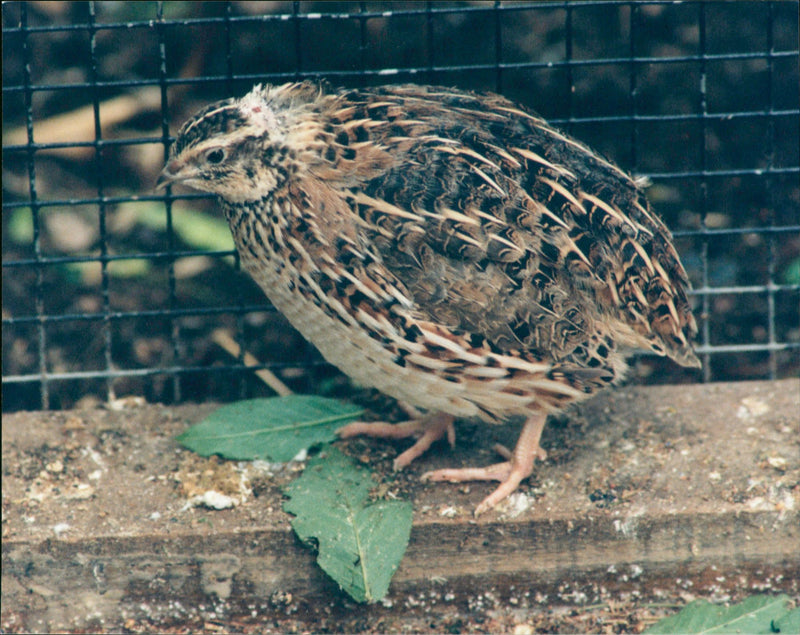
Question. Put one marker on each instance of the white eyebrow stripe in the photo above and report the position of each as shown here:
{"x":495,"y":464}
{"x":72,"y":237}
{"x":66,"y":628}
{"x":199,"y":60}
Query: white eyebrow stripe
{"x":209,"y":114}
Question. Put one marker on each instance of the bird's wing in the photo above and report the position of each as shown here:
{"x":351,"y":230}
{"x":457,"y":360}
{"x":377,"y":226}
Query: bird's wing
{"x":504,"y":227}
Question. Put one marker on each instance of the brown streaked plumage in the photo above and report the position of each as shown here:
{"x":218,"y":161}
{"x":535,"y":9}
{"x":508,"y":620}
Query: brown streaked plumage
{"x":450,"y":249}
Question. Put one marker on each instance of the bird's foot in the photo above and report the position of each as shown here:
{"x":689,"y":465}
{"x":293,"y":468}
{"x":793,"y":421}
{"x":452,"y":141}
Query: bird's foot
{"x":427,"y":430}
{"x":510,"y":473}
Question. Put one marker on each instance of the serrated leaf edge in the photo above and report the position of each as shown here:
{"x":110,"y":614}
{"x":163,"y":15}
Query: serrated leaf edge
{"x":365,"y":504}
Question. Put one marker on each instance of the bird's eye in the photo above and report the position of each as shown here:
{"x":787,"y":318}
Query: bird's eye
{"x":217,"y":155}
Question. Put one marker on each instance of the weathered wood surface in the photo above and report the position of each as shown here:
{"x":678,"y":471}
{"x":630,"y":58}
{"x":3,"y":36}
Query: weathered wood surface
{"x":645,"y":490}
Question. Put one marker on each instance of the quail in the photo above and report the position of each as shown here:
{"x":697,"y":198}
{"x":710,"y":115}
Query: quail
{"x":448,"y":248}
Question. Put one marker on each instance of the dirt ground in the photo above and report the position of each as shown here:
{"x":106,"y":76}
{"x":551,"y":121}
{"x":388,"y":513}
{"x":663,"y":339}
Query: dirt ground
{"x":650,"y":497}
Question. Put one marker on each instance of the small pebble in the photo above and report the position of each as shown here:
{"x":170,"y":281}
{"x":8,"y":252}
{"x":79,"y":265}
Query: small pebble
{"x":778,"y":462}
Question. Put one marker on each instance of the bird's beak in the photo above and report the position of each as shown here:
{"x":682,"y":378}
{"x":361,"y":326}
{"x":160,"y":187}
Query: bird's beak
{"x":173,"y":172}
{"x":165,"y":178}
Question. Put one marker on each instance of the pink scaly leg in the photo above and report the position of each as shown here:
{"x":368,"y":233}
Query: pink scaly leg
{"x":510,"y":473}
{"x":427,"y":430}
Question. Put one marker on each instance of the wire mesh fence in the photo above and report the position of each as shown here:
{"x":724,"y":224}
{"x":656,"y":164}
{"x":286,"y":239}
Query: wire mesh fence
{"x":110,"y":288}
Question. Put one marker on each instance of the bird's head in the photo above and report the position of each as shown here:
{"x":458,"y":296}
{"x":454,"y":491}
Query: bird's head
{"x":241,"y":149}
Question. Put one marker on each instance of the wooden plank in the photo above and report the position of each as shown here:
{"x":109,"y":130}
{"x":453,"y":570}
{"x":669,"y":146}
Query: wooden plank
{"x":643,"y":486}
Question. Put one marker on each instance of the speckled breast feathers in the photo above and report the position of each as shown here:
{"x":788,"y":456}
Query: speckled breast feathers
{"x":449,"y":248}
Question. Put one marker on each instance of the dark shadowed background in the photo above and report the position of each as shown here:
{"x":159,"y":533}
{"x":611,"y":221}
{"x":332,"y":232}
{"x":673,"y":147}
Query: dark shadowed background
{"x":111,"y":290}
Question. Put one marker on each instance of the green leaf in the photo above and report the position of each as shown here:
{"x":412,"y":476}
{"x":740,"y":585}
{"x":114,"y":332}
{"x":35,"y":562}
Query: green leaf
{"x":196,"y":229}
{"x":20,"y":225}
{"x":275,"y":429}
{"x":201,"y":230}
{"x":791,"y":275}
{"x":133,"y":268}
{"x":755,"y":615}
{"x":360,"y":544}
{"x":789,"y":623}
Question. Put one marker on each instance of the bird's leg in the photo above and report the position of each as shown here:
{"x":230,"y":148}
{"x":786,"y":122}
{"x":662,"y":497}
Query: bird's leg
{"x":510,"y":473}
{"x":427,"y":430}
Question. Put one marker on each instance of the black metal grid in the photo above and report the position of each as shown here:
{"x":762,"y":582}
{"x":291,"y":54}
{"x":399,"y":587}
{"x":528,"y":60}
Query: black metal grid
{"x":101,"y":300}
